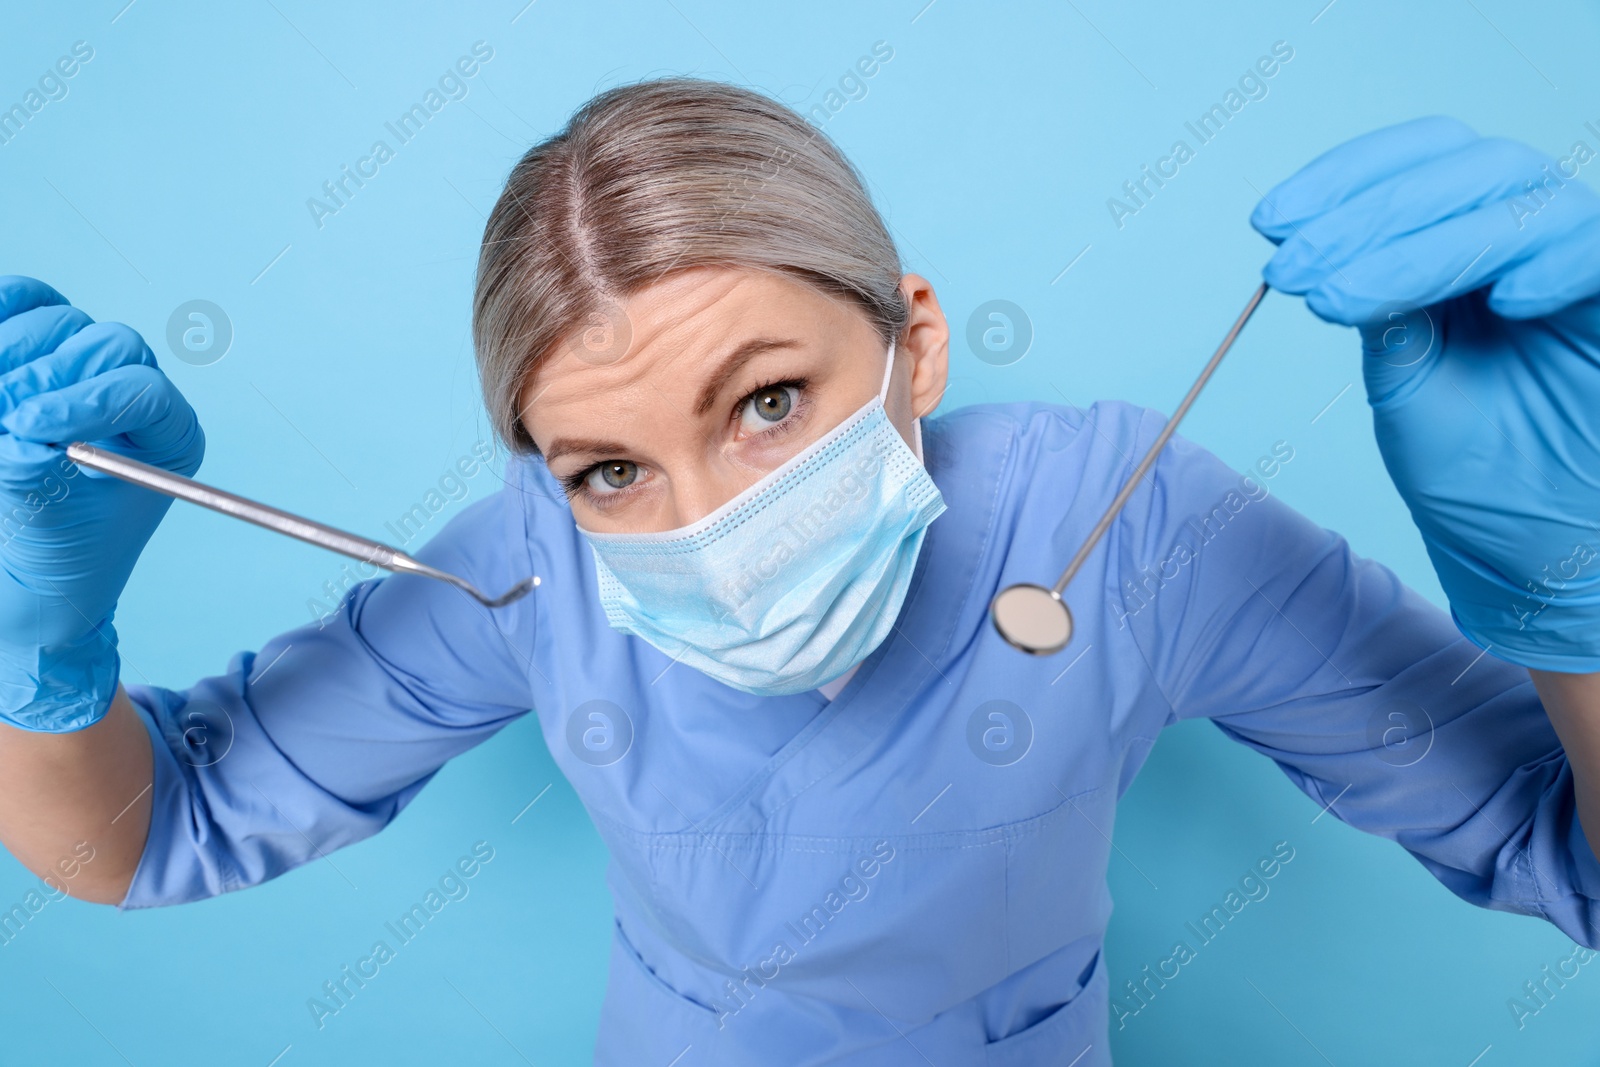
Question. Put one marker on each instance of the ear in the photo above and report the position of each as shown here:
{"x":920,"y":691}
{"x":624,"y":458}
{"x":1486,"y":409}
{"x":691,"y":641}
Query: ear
{"x":926,"y":340}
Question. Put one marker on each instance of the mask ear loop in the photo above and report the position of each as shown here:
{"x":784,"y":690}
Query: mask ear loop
{"x":883,"y":395}
{"x":888,"y":372}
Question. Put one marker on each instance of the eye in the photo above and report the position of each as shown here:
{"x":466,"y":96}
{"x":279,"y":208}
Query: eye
{"x":768,"y":406}
{"x":611,"y":476}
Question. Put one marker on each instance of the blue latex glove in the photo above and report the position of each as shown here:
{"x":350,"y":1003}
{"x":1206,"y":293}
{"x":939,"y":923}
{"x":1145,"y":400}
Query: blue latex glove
{"x":1471,"y":266}
{"x":69,"y":536}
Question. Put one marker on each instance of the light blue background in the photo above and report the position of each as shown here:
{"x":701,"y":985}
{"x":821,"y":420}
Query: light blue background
{"x":179,"y":166}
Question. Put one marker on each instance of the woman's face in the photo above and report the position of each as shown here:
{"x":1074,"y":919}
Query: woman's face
{"x":726,"y":374}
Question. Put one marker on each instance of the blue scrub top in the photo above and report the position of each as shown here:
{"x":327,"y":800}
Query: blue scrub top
{"x":914,"y":871}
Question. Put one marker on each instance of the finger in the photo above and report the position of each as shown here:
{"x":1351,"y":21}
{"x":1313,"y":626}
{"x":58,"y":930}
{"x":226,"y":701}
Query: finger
{"x":23,"y":464}
{"x":37,"y":332}
{"x":1565,"y":272}
{"x":1446,"y":260}
{"x":92,"y":350}
{"x":1399,"y":348}
{"x":1487,"y":170}
{"x":1358,"y":164}
{"x":19,"y":294}
{"x":137,"y":402}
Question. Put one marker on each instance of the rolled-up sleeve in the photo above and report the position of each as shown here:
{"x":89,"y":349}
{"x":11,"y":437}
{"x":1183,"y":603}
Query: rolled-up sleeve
{"x":319,"y":738}
{"x":1364,"y":693}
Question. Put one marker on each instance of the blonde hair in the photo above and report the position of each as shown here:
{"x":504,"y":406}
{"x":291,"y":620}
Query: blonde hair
{"x":654,"y":177}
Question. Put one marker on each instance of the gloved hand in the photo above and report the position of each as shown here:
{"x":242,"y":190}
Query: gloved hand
{"x":69,"y":536}
{"x":1471,"y":266}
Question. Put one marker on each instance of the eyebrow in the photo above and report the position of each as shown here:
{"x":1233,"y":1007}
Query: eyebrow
{"x":564,"y":445}
{"x":731,"y":364}
{"x":707,"y":399}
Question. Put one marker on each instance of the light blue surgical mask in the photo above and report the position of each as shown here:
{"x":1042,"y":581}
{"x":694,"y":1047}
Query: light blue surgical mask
{"x":795,"y":580}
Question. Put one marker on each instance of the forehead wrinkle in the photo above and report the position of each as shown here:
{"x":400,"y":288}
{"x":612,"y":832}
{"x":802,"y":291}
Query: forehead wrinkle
{"x":704,"y":293}
{"x":570,"y":376}
{"x":579,"y":387}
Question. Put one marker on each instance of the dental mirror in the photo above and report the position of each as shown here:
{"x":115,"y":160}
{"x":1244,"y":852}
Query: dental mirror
{"x":1035,"y":619}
